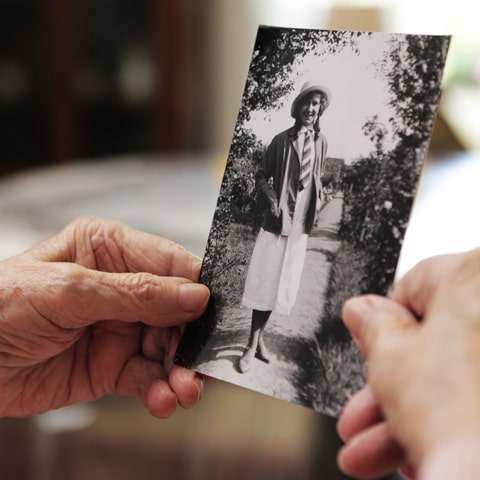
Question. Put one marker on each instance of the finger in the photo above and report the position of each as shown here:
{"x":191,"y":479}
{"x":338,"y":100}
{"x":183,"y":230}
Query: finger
{"x":161,"y":401}
{"x":149,"y":253}
{"x":113,"y":247}
{"x":374,"y":320}
{"x":89,"y":296}
{"x":187,"y":385}
{"x":418,"y":287}
{"x":360,"y":412}
{"x":437,"y":287}
{"x":160,"y":393}
{"x":160,"y":345}
{"x":408,"y":472}
{"x":372,"y":453}
{"x":415,"y":288}
{"x":148,"y":381}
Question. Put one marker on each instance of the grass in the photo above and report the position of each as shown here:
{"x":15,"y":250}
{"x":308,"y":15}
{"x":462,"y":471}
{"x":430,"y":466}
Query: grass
{"x":231,"y":269}
{"x":340,"y":365}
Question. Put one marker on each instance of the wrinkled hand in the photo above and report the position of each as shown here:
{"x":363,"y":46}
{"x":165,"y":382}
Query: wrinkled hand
{"x":420,"y":408}
{"x":94,"y":310}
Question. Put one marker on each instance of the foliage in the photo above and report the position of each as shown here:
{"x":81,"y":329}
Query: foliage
{"x":236,"y":204}
{"x":378,"y":200}
{"x":379,"y":189}
{"x":415,"y":78}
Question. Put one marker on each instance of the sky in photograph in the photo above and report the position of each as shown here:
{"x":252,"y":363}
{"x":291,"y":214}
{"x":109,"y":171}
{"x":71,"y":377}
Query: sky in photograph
{"x":358,"y":93}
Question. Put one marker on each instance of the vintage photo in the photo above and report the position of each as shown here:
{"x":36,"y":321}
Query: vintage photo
{"x":325,"y":159}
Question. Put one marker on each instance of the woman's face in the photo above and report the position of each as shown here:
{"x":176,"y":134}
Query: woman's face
{"x":310,"y":108}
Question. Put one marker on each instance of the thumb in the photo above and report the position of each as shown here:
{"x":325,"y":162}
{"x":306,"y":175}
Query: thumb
{"x":91,"y":295}
{"x":372,"y":320}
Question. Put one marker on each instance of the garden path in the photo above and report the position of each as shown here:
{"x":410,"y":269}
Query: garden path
{"x":290,"y":339}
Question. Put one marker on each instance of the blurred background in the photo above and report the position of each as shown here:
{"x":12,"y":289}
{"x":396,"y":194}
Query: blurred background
{"x":119,"y":107}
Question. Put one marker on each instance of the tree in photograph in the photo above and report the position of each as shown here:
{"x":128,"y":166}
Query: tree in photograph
{"x":381,"y":188}
{"x":415,"y":79}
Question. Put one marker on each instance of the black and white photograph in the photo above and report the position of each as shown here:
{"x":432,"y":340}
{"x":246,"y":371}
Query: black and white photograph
{"x":329,"y":144}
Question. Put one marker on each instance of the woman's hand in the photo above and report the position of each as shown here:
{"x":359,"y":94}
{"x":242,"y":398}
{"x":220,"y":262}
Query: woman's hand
{"x":275,"y":209}
{"x":97,"y":309}
{"x":420,"y":408}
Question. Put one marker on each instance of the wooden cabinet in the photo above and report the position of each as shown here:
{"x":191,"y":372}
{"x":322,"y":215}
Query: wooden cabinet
{"x":96,"y":78}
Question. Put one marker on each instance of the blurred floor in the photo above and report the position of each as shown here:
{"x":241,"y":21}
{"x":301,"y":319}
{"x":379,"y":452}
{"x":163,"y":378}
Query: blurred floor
{"x":232,"y":433}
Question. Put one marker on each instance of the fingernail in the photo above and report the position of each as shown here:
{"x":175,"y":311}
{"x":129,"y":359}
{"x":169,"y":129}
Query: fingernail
{"x":200,"y":386}
{"x":193,"y":297}
{"x":197,"y":263}
{"x":339,"y":427}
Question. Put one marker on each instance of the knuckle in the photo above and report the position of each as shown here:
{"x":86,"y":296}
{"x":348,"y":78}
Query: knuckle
{"x":62,"y":290}
{"x":86,"y":219}
{"x":69,"y":282}
{"x":143,"y":287}
{"x":84,"y":223}
{"x":94,"y":226}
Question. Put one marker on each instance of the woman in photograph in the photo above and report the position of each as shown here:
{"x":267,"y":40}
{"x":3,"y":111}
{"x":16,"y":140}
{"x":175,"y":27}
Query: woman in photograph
{"x":288,"y":183}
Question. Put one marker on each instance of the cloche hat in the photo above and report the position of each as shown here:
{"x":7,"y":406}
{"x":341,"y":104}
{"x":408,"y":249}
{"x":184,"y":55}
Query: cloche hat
{"x":309,"y":87}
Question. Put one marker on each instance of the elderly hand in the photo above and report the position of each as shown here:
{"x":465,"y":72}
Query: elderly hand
{"x":97,"y":309}
{"x":420,"y":407}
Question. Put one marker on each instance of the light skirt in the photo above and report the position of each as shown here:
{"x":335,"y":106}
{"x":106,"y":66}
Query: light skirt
{"x":275,"y":271}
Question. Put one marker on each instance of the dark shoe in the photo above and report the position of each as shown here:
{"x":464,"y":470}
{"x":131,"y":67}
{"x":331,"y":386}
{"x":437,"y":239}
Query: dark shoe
{"x":262,"y":353}
{"x":262,"y":356}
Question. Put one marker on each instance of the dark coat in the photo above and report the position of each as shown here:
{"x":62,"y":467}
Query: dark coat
{"x":282,"y":158}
